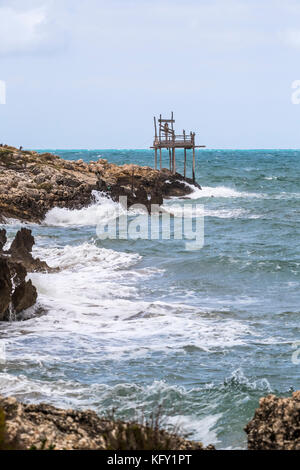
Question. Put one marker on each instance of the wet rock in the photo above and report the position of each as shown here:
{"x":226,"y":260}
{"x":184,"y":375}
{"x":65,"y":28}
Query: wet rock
{"x":276,"y":424}
{"x":3,"y":238}
{"x":46,"y":427}
{"x":21,"y":249}
{"x":5,"y":288}
{"x":24,"y":294}
{"x":16,"y":293}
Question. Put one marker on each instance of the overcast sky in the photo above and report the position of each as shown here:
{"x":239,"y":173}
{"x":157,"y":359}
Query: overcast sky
{"x":91,"y":74}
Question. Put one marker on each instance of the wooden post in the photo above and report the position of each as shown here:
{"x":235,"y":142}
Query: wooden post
{"x":156,"y":159}
{"x":132,"y":181}
{"x":174,"y":161}
{"x":160,"y":162}
{"x":170,"y":159}
{"x":184,"y":164}
{"x":193,"y":164}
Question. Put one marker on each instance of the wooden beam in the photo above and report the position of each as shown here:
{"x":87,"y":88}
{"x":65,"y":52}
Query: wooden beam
{"x":160,"y":159}
{"x":170,"y":159}
{"x":156,"y":159}
{"x":166,"y":120}
{"x":184,"y":174}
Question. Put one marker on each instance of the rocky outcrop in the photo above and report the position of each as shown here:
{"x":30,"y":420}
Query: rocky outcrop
{"x":276,"y":424}
{"x":45,"y":427}
{"x":31,"y":183}
{"x":16,"y":293}
{"x":20,"y":252}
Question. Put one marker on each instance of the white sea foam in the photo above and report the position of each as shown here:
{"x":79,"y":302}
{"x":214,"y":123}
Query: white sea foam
{"x":220,"y":192}
{"x":203,"y":430}
{"x":190,"y":211}
{"x":102,"y":209}
{"x":85,"y":255}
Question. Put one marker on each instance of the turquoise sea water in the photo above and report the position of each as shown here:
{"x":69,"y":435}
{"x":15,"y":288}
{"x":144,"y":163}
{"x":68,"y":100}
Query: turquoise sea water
{"x":134,"y":324}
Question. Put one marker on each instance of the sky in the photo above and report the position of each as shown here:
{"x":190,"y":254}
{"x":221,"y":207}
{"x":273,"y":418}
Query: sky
{"x":93,"y":73}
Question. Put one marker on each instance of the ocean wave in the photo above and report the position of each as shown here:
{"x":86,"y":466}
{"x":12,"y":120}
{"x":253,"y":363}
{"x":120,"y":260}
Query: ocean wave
{"x":85,"y":255}
{"x":189,"y":210}
{"x":197,"y":411}
{"x":103,"y":209}
{"x":220,"y":192}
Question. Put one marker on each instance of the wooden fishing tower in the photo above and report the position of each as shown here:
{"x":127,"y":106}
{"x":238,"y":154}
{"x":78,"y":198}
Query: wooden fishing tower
{"x":165,"y":138}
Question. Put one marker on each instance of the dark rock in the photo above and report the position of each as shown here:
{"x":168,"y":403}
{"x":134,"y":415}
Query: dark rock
{"x":3,"y":238}
{"x":17,"y":294}
{"x":25,"y":294}
{"x":21,"y":249}
{"x":5,"y":288}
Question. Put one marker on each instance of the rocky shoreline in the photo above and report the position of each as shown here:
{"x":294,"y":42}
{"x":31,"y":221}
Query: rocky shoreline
{"x":44,"y":427}
{"x":275,"y":426}
{"x":31,"y":184}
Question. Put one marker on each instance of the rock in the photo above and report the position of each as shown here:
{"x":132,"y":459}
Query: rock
{"x":21,"y":249}
{"x":5,"y":288}
{"x":24,"y":294}
{"x":31,"y":183}
{"x":3,"y":238}
{"x":46,"y":427}
{"x":17,"y":294}
{"x":276,"y":424}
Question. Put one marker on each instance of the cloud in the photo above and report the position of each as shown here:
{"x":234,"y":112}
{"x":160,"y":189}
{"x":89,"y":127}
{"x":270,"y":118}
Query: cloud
{"x":27,"y":31}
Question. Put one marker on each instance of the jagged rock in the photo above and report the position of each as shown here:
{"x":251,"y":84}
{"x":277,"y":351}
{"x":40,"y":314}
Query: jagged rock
{"x":31,"y":183}
{"x":3,"y":238}
{"x":276,"y":424}
{"x":21,"y":249}
{"x":24,"y":294}
{"x":5,"y":288}
{"x":46,"y":427}
{"x":17,"y":294}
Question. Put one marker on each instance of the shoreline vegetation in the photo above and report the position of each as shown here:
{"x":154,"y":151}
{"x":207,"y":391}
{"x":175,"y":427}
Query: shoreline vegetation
{"x":31,"y":184}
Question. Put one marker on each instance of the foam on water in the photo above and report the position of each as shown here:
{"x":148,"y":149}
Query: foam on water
{"x":178,"y":210}
{"x":220,"y":192}
{"x":103,"y":209}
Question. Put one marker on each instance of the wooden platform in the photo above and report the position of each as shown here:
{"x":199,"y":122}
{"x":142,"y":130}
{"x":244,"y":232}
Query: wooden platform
{"x":166,"y":138}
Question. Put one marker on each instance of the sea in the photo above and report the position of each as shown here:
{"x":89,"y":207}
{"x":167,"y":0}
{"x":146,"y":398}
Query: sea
{"x":139,"y":327}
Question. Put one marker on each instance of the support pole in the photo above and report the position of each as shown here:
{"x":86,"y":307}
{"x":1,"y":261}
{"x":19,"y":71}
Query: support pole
{"x":160,"y":160}
{"x":174,"y":162}
{"x":170,"y":159}
{"x":184,"y":164}
{"x":156,"y":159}
{"x":193,"y":164}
